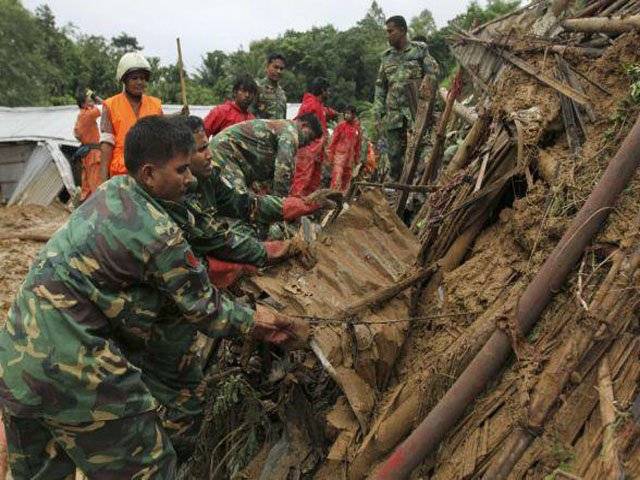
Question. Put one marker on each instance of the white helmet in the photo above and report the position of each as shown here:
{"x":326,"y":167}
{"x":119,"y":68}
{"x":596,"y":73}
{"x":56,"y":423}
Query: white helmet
{"x":131,"y":61}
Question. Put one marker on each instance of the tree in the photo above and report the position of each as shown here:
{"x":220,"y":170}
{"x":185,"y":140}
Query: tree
{"x":22,"y":81}
{"x":374,"y":16}
{"x":212,"y":69}
{"x":125,"y":43}
{"x":422,"y":24}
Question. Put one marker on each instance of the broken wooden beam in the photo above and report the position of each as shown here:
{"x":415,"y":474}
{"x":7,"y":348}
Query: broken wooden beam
{"x":34,"y":237}
{"x":467,"y":114}
{"x":594,"y":7}
{"x":602,"y":24}
{"x":422,"y":125}
{"x":432,"y":165}
{"x":478,"y":131}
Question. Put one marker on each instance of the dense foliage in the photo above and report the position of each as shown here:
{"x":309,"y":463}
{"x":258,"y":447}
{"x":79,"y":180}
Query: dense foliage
{"x":45,"y":64}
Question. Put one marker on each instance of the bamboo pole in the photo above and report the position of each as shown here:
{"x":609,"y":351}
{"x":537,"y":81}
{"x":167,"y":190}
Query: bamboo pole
{"x":423,"y":123}
{"x":183,"y":87}
{"x":433,"y":164}
{"x":602,"y":24}
{"x":478,"y":130}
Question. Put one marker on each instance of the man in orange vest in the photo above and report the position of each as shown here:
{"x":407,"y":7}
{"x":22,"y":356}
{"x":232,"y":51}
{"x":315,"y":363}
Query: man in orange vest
{"x":86,"y":132}
{"x":122,"y":111}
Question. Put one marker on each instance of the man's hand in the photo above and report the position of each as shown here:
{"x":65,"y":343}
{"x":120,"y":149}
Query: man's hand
{"x":277,"y":250}
{"x":280,"y":250}
{"x":324,"y":198}
{"x":273,"y":327}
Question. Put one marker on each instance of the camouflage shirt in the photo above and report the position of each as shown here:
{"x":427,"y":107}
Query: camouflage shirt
{"x":202,"y":217}
{"x":400,"y":73}
{"x":262,"y":150}
{"x":271,"y":101}
{"x":83,"y":318}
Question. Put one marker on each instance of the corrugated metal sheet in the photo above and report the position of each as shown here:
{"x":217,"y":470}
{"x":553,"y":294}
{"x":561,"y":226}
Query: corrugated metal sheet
{"x":58,"y":122}
{"x":13,"y":158}
{"x":44,"y":174}
{"x":366,"y":249}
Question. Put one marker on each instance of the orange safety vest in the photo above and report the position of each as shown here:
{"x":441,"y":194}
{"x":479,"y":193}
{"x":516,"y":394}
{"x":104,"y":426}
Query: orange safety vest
{"x":122,"y":119}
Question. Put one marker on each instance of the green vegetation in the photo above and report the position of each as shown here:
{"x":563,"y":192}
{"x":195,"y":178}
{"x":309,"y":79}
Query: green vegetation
{"x":45,"y":64}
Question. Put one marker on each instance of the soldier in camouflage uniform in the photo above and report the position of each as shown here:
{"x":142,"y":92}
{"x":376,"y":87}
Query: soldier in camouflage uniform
{"x":402,"y":68}
{"x":260,"y":154}
{"x":211,"y":212}
{"x":174,"y":371}
{"x":78,"y":332}
{"x":271,"y":101}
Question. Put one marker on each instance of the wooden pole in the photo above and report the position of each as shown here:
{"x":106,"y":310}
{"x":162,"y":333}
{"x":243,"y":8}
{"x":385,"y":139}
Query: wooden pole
{"x":183,"y":87}
{"x":603,"y":24}
{"x":433,"y":164}
{"x":476,"y":134}
{"x":424,"y":120}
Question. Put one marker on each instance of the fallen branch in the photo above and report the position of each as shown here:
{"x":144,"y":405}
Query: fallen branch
{"x":478,"y":131}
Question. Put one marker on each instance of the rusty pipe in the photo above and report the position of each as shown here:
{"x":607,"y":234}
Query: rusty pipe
{"x":487,"y":363}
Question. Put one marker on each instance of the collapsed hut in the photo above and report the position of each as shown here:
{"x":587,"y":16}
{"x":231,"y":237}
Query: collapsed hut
{"x":497,"y":335}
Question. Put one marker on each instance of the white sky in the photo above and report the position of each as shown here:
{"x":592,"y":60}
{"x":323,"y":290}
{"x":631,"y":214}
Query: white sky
{"x":223,"y":25}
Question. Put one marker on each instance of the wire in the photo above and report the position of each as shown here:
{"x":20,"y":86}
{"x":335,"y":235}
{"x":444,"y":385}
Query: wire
{"x":313,"y":319}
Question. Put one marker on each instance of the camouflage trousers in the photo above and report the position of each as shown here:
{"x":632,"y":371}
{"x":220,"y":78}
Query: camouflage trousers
{"x":396,"y":140}
{"x":126,"y":448}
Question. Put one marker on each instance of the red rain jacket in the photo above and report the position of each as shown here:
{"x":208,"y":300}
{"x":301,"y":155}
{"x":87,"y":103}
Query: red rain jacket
{"x":224,"y":116}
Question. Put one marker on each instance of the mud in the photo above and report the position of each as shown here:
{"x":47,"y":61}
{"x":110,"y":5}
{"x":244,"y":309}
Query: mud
{"x":16,"y":255}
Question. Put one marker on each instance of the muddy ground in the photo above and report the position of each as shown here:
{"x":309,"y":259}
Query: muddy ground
{"x":16,"y":253}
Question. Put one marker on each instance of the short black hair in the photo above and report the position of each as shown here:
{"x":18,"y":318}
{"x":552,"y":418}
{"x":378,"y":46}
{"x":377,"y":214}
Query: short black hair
{"x":245,"y":82}
{"x":398,"y":21}
{"x":81,"y":97}
{"x":318,"y":86}
{"x":194,"y":123}
{"x":314,"y":124}
{"x":275,"y":56}
{"x":351,"y":109}
{"x":156,"y":139}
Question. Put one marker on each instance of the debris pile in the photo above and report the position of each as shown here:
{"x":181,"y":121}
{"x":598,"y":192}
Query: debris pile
{"x":498,"y":335}
{"x":552,"y":99}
